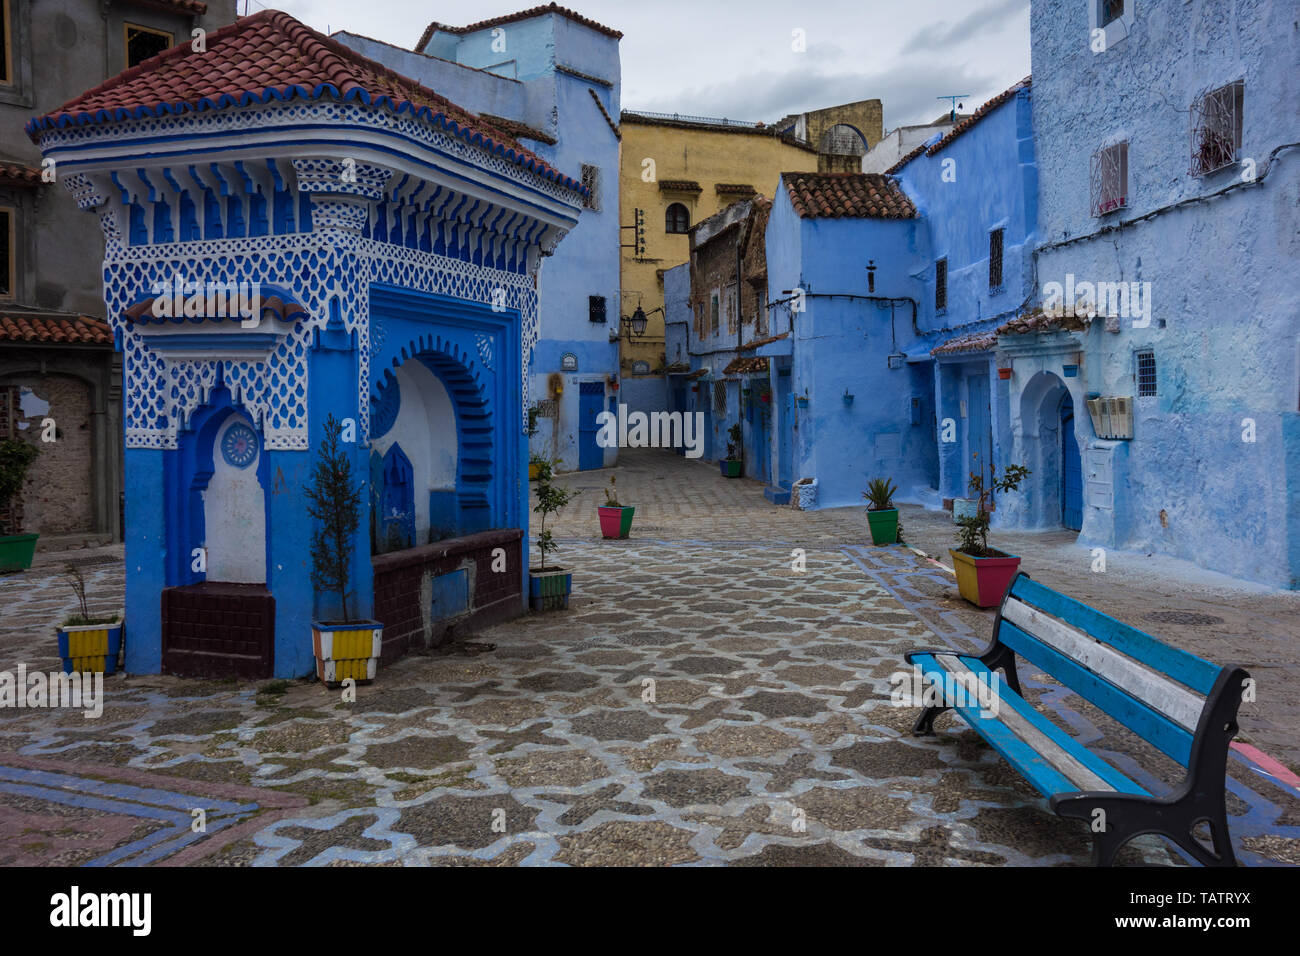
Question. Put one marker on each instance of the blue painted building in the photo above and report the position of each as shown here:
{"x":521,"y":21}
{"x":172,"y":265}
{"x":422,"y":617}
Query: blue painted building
{"x":976,"y":190}
{"x":551,"y":79}
{"x":1168,"y":176}
{"x":850,"y":374}
{"x":291,"y":232}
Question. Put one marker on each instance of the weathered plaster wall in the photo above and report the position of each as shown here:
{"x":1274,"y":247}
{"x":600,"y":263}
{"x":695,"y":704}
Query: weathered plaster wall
{"x":1223,"y":325}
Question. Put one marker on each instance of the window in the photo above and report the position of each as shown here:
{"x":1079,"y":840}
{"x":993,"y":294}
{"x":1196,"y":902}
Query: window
{"x":591,"y":179}
{"x":941,"y":286}
{"x":6,"y":54}
{"x":596,"y":308}
{"x":1109,"y":10}
{"x":1109,"y":175}
{"x":720,"y":398}
{"x":995,"y":260}
{"x":6,"y":253}
{"x":1146,"y":373}
{"x":713,"y":314}
{"x":142,"y":43}
{"x":1216,"y":129}
{"x":677,"y":218}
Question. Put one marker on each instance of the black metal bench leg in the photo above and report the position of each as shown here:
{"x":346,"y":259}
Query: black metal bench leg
{"x":924,"y":726}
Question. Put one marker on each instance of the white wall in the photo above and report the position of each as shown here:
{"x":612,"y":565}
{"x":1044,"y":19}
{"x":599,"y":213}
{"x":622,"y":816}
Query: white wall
{"x":426,"y":430}
{"x":234,"y":509}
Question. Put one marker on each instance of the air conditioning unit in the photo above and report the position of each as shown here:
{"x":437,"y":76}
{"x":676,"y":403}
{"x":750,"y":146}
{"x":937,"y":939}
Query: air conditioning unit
{"x":1112,"y":417}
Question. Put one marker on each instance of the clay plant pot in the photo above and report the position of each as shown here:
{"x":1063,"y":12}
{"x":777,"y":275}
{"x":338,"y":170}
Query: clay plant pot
{"x":346,"y":649}
{"x":729,"y":467}
{"x":90,"y":648}
{"x":984,"y":581}
{"x":883,"y":525}
{"x":17,"y":551}
{"x":549,"y":590}
{"x":615,"y":522}
{"x":533,"y":469}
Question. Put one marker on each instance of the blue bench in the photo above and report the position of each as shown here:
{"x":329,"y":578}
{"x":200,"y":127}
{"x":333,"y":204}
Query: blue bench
{"x":1182,"y":705}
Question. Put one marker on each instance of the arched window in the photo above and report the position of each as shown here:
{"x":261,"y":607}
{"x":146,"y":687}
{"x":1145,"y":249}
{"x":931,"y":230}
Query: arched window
{"x":677,"y":218}
{"x":842,"y":140}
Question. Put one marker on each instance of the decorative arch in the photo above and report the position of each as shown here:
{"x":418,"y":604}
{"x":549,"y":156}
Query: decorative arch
{"x":1041,"y":445}
{"x":843,"y":139}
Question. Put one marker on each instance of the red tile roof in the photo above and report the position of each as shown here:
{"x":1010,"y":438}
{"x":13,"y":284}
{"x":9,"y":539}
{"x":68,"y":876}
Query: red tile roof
{"x":758,"y":343}
{"x":970,"y":342}
{"x":746,"y":365}
{"x":847,"y":196}
{"x":194,"y":7}
{"x":680,"y":186}
{"x":1042,"y":322}
{"x":963,"y":126}
{"x":16,"y":174}
{"x":515,"y":18}
{"x":53,"y":328}
{"x":267,"y":56}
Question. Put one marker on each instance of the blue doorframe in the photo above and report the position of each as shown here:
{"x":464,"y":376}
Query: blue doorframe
{"x":1071,"y":470}
{"x":591,"y":401}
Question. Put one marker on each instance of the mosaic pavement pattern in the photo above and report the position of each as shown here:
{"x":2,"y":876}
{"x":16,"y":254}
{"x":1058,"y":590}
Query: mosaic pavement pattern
{"x":701,"y":703}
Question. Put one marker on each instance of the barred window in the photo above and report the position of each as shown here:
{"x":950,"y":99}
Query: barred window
{"x":591,"y":179}
{"x":941,"y":285}
{"x":1146,"y":373}
{"x":720,"y":398}
{"x":143,"y":43}
{"x":995,"y":260}
{"x":1109,"y":175}
{"x":1216,"y":129}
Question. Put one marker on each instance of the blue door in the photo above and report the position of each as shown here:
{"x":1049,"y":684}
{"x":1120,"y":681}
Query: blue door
{"x":591,"y":396}
{"x":783,"y":401}
{"x":1071,"y":470}
{"x":979,"y":436}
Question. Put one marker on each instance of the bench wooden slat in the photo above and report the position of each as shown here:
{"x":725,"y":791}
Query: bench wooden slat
{"x":1049,"y":758}
{"x":1150,"y":724}
{"x":1195,"y":672}
{"x":1152,"y":687}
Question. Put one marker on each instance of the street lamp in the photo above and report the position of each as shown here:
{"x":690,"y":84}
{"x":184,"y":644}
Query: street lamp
{"x":637,"y":322}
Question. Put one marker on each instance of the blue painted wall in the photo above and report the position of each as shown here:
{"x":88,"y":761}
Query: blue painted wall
{"x":1224,"y":327}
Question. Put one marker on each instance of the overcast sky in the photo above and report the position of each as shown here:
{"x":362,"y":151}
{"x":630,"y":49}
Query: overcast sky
{"x":733,"y":58}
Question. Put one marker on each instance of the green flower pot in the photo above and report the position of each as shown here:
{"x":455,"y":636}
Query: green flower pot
{"x":17,"y":551}
{"x":883,"y":525}
{"x":730,"y":468}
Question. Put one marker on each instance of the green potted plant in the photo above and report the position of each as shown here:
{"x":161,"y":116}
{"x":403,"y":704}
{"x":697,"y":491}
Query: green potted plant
{"x":882,"y":516}
{"x":984,"y":573}
{"x":615,"y":518}
{"x":549,"y":588}
{"x":732,"y":464}
{"x":16,"y":456}
{"x":346,"y":648}
{"x":88,"y":643}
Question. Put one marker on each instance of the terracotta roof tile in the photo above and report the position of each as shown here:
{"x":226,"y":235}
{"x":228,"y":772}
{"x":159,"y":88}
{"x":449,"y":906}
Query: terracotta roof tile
{"x":618,"y":133}
{"x":514,"y":18}
{"x":16,"y":174}
{"x":979,"y":114}
{"x":746,"y":366}
{"x":53,"y":328}
{"x":271,"y":56}
{"x":759,"y":343}
{"x":970,"y":342}
{"x":741,"y":189}
{"x":1042,"y":322}
{"x":847,"y":196}
{"x":680,"y":186}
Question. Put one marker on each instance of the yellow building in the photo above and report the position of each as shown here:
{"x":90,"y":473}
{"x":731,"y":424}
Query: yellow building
{"x":676,"y":171}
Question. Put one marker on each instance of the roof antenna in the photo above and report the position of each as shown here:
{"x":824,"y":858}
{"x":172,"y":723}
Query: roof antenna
{"x":955,"y":105}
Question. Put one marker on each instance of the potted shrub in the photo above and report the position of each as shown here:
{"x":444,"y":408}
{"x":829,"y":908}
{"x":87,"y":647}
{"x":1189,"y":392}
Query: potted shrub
{"x":88,"y":643}
{"x":535,"y":462}
{"x":882,"y":516}
{"x":731,"y":465}
{"x":549,"y":588}
{"x":984,"y":573}
{"x":615,"y":518}
{"x":16,"y":456}
{"x":345,"y":648}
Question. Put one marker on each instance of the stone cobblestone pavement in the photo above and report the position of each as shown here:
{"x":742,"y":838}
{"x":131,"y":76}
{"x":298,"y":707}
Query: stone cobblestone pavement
{"x":701,"y":702}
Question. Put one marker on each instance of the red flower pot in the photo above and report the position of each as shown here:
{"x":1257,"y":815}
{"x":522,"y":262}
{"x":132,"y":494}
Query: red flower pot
{"x":615,"y":522}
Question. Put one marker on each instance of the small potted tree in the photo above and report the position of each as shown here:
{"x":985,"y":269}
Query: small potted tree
{"x":882,"y":516}
{"x":534,"y":460}
{"x":984,"y":573}
{"x":615,"y":518}
{"x":88,"y":643}
{"x":16,"y":550}
{"x":345,"y":648}
{"x":731,"y":465}
{"x":549,"y":588}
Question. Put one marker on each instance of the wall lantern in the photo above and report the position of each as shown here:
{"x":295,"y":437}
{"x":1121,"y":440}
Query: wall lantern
{"x":871,"y":275}
{"x":637,"y":323}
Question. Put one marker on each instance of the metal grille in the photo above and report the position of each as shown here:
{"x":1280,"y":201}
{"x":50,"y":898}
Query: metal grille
{"x":1109,"y":175}
{"x":720,"y":398}
{"x":591,"y":179}
{"x":677,"y":219}
{"x":1216,"y":129}
{"x":546,"y":408}
{"x":941,"y":285}
{"x":995,"y":259}
{"x":1146,"y":373}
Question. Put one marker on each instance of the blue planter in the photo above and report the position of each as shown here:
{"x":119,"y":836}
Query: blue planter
{"x":549,"y":590}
